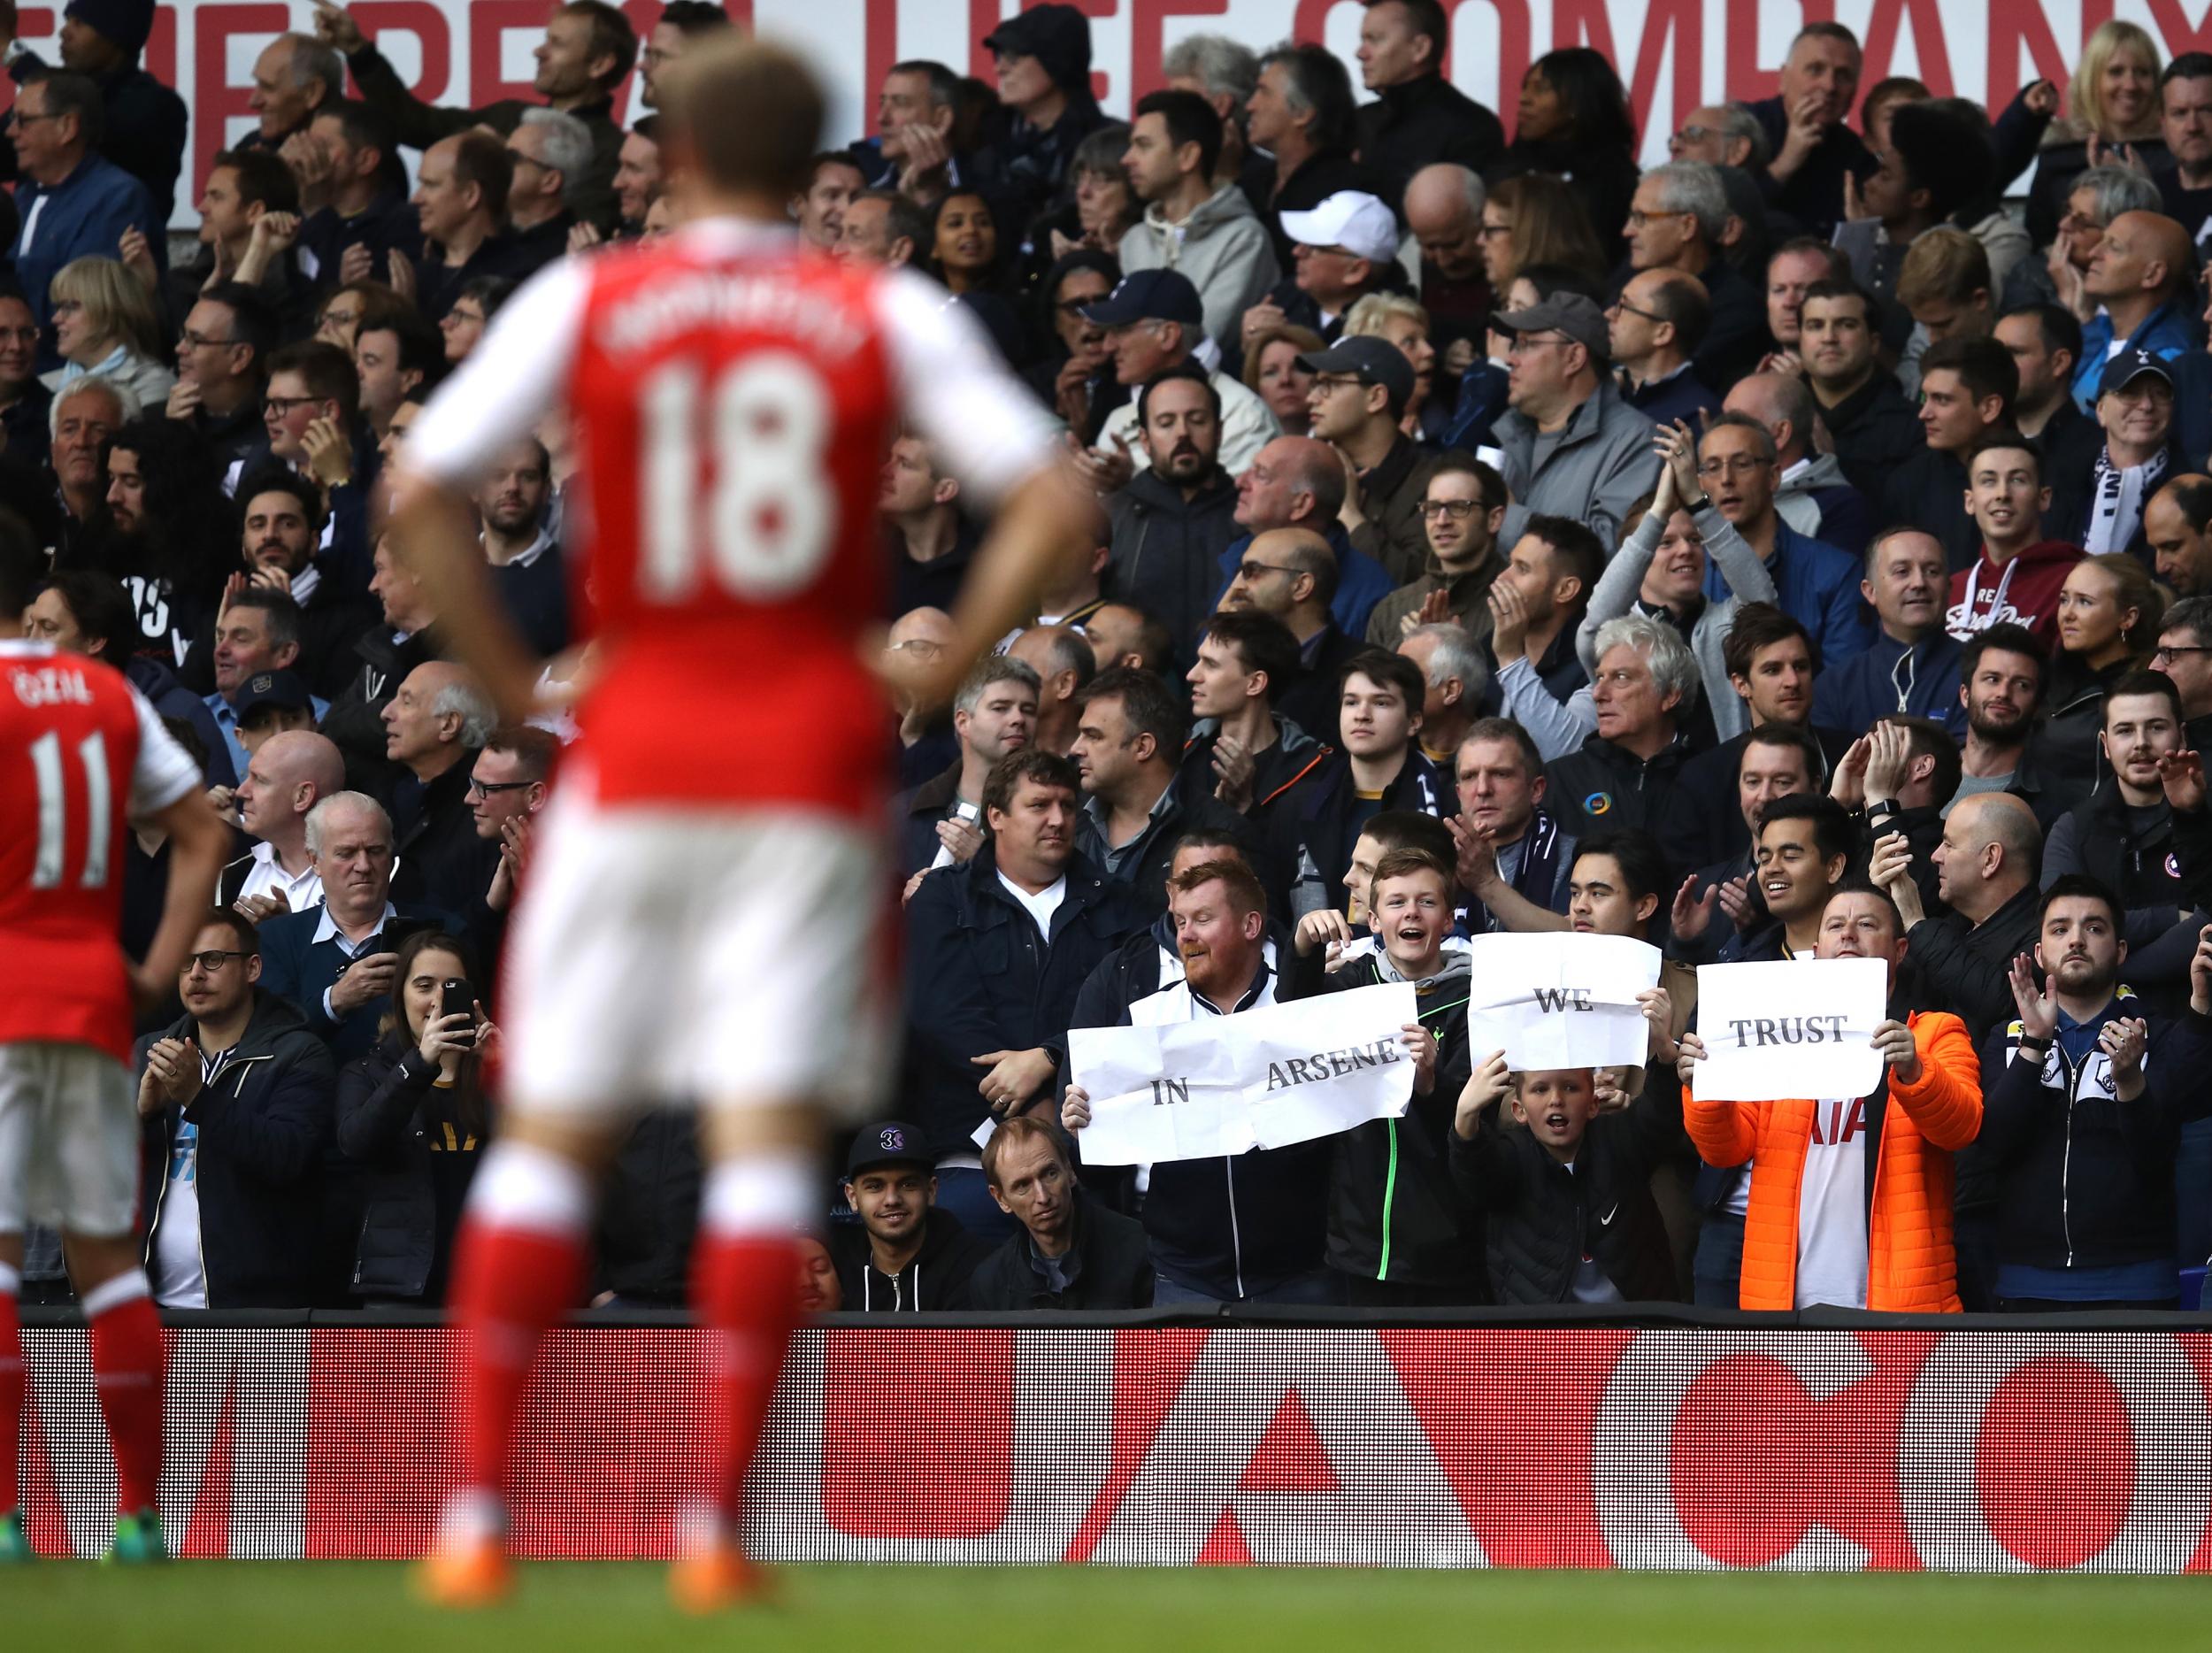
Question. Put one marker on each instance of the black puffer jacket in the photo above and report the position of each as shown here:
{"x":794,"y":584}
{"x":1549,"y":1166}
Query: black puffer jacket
{"x":1543,"y":1219}
{"x":1394,"y":1214}
{"x":417,"y":1152}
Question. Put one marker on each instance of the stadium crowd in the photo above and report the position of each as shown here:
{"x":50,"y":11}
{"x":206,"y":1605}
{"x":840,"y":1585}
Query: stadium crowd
{"x":1788,"y":551}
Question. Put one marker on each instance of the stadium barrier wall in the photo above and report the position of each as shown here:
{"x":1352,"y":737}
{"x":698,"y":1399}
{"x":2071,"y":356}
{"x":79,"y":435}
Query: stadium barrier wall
{"x":1672,"y":55}
{"x":1975,"y":1446}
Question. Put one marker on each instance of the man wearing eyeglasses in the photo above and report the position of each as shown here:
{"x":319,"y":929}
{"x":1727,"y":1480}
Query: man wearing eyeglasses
{"x":1653,"y":326}
{"x":2185,"y":655}
{"x":1462,"y":508}
{"x":238,"y":1097}
{"x":1814,"y":582}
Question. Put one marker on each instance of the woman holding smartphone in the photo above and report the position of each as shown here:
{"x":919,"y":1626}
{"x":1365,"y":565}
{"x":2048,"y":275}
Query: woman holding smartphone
{"x":414,"y":1116}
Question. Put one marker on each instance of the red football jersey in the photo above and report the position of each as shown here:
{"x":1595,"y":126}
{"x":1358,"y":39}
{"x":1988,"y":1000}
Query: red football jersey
{"x":81,"y":752}
{"x":733,"y":395}
{"x":731,"y":421}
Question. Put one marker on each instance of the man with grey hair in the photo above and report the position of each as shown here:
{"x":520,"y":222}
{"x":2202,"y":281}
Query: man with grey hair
{"x":1677,"y":220}
{"x":295,"y":79}
{"x":994,"y":713}
{"x":435,"y":726}
{"x":1720,"y":135}
{"x":1458,"y":680}
{"x":1224,"y":72}
{"x":916,"y":110}
{"x":1301,"y":111}
{"x":1064,"y":664}
{"x":2092,"y":201}
{"x":1625,"y":775}
{"x":552,"y":153}
{"x":337,"y":961}
{"x":1811,"y":493}
{"x":85,"y":413}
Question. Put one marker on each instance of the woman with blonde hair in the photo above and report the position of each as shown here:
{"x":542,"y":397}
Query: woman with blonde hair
{"x":2109,"y":615}
{"x":105,"y":323}
{"x":2112,"y":109}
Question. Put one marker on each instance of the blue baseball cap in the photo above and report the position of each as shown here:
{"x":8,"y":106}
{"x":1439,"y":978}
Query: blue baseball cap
{"x":1148,"y":295}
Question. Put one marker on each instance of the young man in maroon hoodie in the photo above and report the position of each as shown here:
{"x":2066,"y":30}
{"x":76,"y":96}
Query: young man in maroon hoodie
{"x":2018,"y":575}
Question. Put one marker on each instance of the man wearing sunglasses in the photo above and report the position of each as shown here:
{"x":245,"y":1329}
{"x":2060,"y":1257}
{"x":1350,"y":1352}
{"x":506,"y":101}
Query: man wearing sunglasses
{"x":238,"y":1097}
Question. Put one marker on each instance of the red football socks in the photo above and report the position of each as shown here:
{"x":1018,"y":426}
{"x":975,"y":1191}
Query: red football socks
{"x":509,"y":1285}
{"x":746,"y":1288}
{"x":127,"y":1372}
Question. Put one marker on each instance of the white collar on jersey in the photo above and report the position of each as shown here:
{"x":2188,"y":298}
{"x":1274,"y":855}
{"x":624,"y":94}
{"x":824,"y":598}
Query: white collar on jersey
{"x":727,"y":233}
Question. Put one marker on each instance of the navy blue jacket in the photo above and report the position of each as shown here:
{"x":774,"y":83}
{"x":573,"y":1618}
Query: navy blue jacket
{"x":83,"y":216}
{"x":979,"y":979}
{"x":1868,"y":686}
{"x":265,"y":1126}
{"x":1361,"y":581}
{"x":298,"y":967}
{"x":1679,"y":395}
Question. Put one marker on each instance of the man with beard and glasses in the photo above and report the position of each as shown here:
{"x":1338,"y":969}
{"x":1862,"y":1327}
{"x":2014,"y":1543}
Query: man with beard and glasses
{"x":1247,"y":1227}
{"x":1171,"y":522}
{"x":2001,"y":674}
{"x":996,"y":950}
{"x":904,"y":1255}
{"x":2084,"y":1096}
{"x":527,"y":566}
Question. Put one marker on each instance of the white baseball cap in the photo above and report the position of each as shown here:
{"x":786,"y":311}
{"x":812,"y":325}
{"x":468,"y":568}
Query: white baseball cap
{"x":1350,"y":219}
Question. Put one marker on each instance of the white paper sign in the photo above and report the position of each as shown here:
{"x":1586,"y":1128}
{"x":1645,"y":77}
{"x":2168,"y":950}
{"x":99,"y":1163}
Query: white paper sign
{"x":1787,"y":1029}
{"x":1560,"y":1000}
{"x":1265,"y":1078}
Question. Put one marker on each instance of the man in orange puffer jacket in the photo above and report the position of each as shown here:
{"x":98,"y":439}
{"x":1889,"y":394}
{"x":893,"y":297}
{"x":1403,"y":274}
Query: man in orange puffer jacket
{"x":1813,"y":1235}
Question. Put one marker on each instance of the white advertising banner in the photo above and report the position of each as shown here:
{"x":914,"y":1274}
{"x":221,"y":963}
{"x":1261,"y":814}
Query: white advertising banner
{"x":1557,"y":1000}
{"x":1263,"y":1078}
{"x":1789,"y":1028}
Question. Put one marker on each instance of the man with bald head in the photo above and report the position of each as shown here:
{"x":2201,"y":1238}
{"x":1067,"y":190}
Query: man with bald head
{"x":1061,"y":656}
{"x":2141,"y":277}
{"x":918,"y":638}
{"x":1987,"y":869}
{"x":1291,"y":573}
{"x":1653,"y":328}
{"x":1443,"y":208}
{"x":1719,"y":134}
{"x":1811,"y":493}
{"x":1298,"y":482}
{"x":2176,"y":523}
{"x":286,"y":778}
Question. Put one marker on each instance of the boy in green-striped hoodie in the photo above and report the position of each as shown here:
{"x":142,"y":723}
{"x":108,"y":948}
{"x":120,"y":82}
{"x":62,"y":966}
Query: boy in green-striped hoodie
{"x":1397,"y":1232}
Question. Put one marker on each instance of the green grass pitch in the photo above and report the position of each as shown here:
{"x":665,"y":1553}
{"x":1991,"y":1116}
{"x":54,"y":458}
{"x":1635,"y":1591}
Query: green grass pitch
{"x":247,"y":1607}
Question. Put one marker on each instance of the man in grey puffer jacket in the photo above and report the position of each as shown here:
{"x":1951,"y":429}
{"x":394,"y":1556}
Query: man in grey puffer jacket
{"x":1210,"y":234}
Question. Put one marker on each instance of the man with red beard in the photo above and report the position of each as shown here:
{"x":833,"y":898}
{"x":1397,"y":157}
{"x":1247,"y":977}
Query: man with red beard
{"x":1243,"y":1228}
